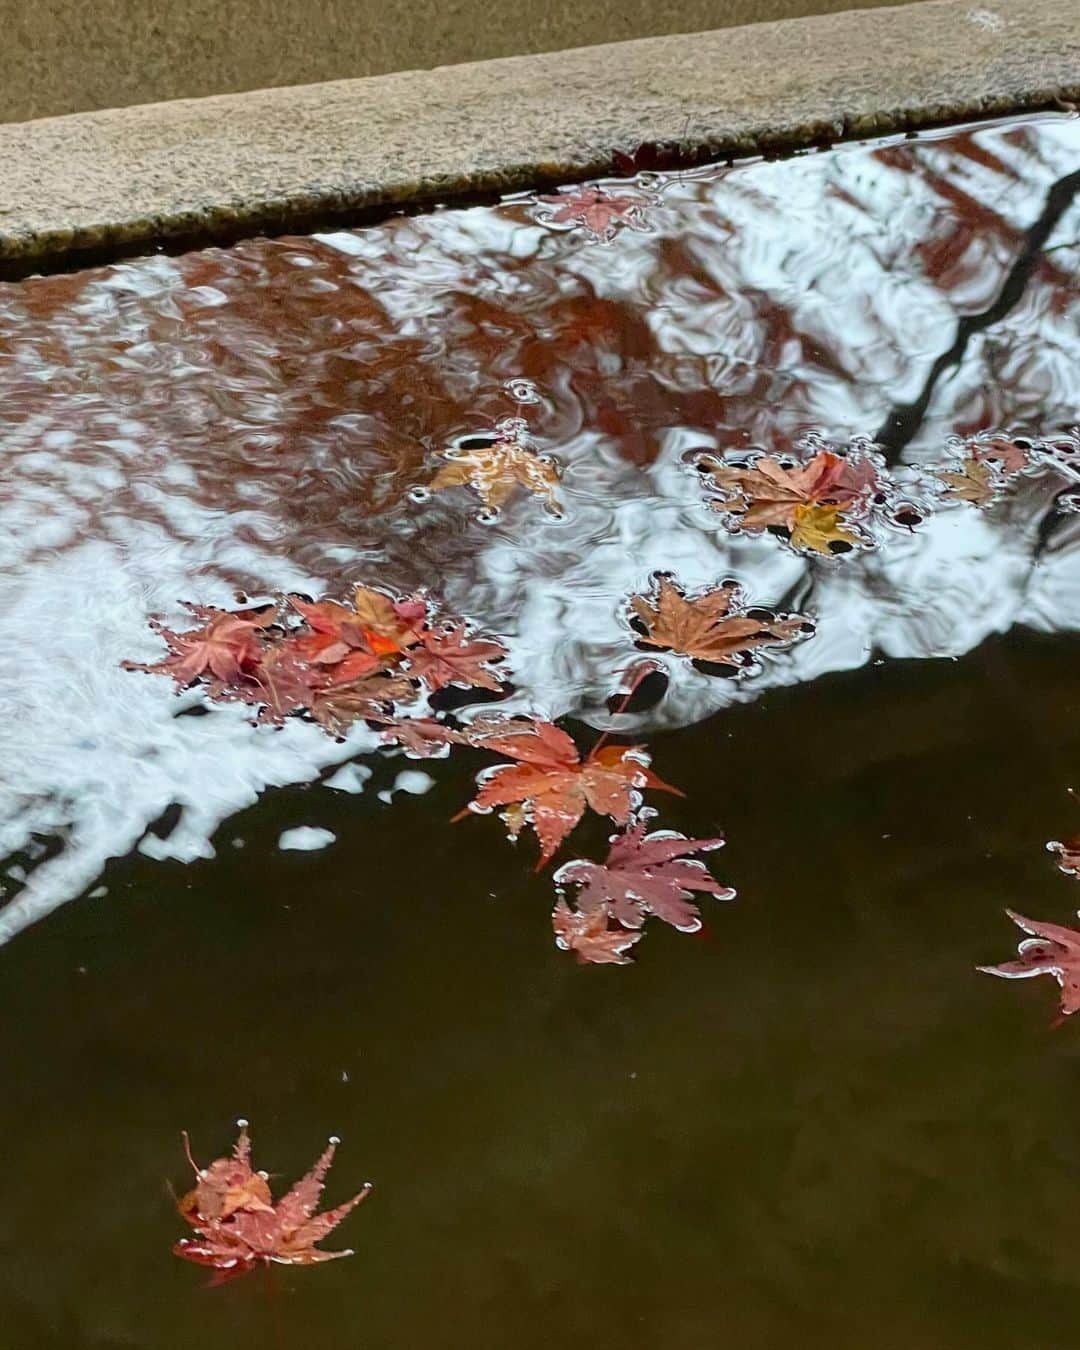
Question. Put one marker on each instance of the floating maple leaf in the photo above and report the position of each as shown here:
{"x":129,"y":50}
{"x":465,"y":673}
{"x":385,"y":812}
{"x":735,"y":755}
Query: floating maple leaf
{"x":340,"y":641}
{"x":601,"y":214}
{"x":451,"y":655}
{"x":646,"y":874}
{"x":818,"y":528}
{"x":1050,"y":950}
{"x":226,"y":646}
{"x":763,"y":491}
{"x":239,"y":1226}
{"x":554,"y":785}
{"x":714,"y":626}
{"x":495,"y":467}
{"x":815,"y":498}
{"x":987,"y":463}
{"x":592,"y":939}
{"x":972,"y":482}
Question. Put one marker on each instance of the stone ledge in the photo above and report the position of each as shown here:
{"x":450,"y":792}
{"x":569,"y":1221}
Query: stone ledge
{"x":218,"y":168}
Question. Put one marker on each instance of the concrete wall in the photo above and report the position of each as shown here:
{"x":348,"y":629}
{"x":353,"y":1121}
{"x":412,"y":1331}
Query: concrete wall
{"x":62,"y":56}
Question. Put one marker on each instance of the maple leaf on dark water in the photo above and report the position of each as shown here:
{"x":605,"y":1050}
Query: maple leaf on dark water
{"x":592,"y":939}
{"x":713,"y":626}
{"x":646,"y":874}
{"x":238,"y":1224}
{"x":226,"y":647}
{"x":451,"y":655}
{"x":1051,"y":949}
{"x":552,"y":786}
{"x":599,"y":213}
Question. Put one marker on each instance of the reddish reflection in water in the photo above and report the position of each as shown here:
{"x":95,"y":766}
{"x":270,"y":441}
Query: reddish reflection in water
{"x":265,"y":418}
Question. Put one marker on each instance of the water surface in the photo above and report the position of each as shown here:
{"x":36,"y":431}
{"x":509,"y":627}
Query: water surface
{"x":811,"y":1123}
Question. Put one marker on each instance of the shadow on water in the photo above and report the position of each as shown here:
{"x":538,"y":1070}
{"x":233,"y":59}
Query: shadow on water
{"x":811,"y":1124}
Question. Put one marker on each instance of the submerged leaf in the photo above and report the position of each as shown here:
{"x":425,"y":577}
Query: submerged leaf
{"x":374,"y":696}
{"x":494,"y":470}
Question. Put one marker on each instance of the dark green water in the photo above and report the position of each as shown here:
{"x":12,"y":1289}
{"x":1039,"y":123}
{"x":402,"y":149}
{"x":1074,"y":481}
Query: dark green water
{"x":815,"y":1125}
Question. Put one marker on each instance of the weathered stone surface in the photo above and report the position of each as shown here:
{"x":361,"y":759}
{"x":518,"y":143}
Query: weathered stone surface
{"x":219,"y":167}
{"x":65,"y":56}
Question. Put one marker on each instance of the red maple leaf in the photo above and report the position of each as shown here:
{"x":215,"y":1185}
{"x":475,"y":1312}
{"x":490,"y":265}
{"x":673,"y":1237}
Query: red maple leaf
{"x":1050,"y":950}
{"x":226,"y":646}
{"x":552,"y":785}
{"x":282,"y":683}
{"x":352,"y":643}
{"x":591,"y":938}
{"x":451,"y":655}
{"x":239,"y":1226}
{"x":339,"y":642}
{"x":649,"y":156}
{"x":646,"y":874}
{"x":1008,"y":455}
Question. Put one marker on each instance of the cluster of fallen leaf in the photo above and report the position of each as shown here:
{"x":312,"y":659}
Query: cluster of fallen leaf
{"x":828,"y":501}
{"x":338,"y":663}
{"x":369,"y":661}
{"x":376,"y":658}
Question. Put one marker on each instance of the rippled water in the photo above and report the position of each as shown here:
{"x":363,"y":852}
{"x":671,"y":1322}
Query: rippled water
{"x":812,"y":1124}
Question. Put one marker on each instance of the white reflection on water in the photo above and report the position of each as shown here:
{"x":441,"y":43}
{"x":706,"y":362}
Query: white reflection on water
{"x":180,"y":428}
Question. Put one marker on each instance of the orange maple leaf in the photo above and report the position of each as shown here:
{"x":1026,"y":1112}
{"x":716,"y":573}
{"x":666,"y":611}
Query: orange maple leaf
{"x":554,"y":785}
{"x":713,"y":626}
